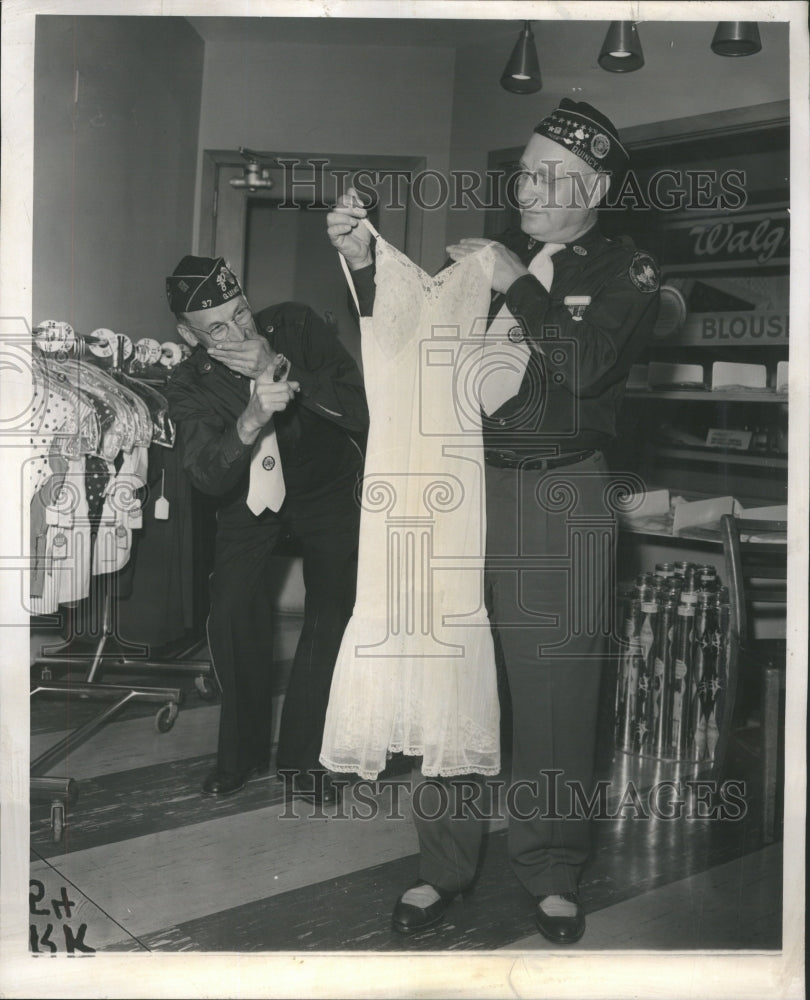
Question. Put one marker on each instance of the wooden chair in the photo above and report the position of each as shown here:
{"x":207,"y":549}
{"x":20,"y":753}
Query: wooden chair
{"x":756,"y":576}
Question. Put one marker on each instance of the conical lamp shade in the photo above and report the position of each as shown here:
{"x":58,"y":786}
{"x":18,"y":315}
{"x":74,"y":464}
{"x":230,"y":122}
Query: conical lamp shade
{"x":522,"y":73}
{"x":736,"y":38}
{"x":621,"y":49}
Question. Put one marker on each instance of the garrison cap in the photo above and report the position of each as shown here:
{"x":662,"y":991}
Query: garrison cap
{"x":587,"y":133}
{"x":201,"y":283}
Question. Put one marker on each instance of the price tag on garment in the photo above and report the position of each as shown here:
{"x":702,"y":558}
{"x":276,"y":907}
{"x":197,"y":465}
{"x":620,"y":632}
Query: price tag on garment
{"x":162,"y":504}
{"x":122,"y":537}
{"x":59,"y":549}
{"x":51,"y":515}
{"x":135,"y":519}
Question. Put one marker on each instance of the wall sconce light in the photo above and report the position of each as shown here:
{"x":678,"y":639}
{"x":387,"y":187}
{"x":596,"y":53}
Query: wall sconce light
{"x":736,"y":38}
{"x":621,"y":49}
{"x":254,"y":174}
{"x":522,"y":73}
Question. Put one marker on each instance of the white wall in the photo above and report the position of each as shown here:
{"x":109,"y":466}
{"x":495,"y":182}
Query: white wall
{"x":338,"y":99}
{"x":114,"y":158}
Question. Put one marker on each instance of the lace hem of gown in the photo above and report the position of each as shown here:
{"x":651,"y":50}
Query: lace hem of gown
{"x":488,"y":771}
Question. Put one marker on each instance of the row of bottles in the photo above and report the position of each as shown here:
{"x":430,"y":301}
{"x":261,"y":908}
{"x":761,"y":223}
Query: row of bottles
{"x":673,"y":668}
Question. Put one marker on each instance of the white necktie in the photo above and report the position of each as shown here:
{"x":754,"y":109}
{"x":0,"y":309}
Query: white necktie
{"x":266,"y":476}
{"x":505,"y":353}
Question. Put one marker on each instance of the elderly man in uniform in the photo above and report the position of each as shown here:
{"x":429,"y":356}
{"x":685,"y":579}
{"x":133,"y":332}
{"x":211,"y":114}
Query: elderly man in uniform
{"x":272,"y":415}
{"x":582,"y":307}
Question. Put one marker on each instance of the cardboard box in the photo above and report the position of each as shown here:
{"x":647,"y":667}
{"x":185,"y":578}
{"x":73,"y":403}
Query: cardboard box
{"x":650,"y":504}
{"x":734,"y":374}
{"x":702,"y":512}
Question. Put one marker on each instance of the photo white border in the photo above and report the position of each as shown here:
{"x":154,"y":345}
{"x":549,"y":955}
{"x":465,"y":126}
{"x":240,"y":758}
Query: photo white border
{"x":737,"y":975}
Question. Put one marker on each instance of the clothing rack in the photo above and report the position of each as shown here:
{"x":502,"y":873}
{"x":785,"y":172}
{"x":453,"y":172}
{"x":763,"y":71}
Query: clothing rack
{"x":99,"y":651}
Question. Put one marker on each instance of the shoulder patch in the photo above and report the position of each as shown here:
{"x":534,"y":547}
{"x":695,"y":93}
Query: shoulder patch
{"x":644,"y":273}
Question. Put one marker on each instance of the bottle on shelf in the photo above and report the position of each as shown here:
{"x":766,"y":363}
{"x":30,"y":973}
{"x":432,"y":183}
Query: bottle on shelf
{"x":680,"y":737}
{"x":629,"y":670}
{"x":646,"y":680}
{"x":661,"y":730}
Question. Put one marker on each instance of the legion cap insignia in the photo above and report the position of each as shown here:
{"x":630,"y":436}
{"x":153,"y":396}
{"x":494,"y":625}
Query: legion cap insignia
{"x":600,"y":145}
{"x":644,"y":273}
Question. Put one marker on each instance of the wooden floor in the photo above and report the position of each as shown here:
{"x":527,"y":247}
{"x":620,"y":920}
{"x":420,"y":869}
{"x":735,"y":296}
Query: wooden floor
{"x":149,"y":864}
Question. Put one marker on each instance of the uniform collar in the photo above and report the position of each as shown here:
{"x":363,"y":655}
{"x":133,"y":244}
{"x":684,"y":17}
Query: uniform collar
{"x":202,"y":362}
{"x":586,"y":244}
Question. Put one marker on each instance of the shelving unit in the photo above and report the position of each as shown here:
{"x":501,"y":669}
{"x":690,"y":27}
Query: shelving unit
{"x":710,"y":395}
{"x":728,"y":457}
{"x":728,"y":305}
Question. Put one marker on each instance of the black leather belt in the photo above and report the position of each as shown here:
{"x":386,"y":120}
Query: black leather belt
{"x":502,"y":460}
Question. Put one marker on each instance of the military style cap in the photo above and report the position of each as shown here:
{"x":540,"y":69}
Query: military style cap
{"x":201,"y":283}
{"x":587,"y":133}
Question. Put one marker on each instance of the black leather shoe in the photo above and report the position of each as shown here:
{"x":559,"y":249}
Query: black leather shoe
{"x":316,"y":787}
{"x":561,"y":930}
{"x":408,"y":918}
{"x":223,"y":783}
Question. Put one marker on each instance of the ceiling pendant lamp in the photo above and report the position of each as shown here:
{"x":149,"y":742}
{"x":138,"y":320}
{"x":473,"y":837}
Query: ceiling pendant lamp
{"x":522,"y":73}
{"x":736,"y":38}
{"x":621,"y":49}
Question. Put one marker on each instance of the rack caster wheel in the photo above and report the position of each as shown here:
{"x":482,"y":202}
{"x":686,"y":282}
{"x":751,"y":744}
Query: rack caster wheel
{"x":206,"y":688}
{"x":57,"y":820}
{"x":164,"y":720}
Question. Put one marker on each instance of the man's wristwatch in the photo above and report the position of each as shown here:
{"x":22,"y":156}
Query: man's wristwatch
{"x":282,"y":368}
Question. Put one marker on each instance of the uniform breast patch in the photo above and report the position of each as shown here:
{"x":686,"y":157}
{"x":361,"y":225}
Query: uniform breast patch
{"x":644,"y":273}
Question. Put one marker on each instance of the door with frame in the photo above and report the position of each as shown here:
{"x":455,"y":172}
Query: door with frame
{"x":275,"y":238}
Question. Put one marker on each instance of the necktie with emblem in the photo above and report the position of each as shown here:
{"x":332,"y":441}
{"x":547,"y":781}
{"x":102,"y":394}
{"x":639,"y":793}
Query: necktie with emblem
{"x":267,"y":487}
{"x":505,"y":353}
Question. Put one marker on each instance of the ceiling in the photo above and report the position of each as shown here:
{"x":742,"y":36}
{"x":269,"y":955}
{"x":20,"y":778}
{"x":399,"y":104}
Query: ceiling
{"x":562,"y":43}
{"x":567,"y":48}
{"x":440,"y":32}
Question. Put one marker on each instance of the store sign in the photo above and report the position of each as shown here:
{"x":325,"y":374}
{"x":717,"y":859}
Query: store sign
{"x":744,"y":240}
{"x":724,"y":328}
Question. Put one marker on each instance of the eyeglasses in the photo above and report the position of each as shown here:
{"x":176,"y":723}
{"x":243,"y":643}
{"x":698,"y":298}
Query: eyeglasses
{"x":241,"y":319}
{"x":552,"y":181}
{"x":538,"y":188}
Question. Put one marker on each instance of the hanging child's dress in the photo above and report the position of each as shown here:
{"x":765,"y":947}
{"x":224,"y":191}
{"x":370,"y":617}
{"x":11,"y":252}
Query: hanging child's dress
{"x":416,"y":669}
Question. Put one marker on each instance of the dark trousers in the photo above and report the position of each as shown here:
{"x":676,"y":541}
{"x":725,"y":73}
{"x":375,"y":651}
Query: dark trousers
{"x":550,"y":544}
{"x":240,"y":629}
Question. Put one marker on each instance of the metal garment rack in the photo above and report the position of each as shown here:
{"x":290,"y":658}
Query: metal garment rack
{"x":109,"y":652}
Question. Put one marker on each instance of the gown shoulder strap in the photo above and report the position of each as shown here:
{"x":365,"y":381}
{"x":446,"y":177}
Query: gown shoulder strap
{"x":348,"y":273}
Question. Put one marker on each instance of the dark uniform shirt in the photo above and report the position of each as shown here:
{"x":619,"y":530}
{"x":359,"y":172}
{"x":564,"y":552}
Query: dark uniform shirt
{"x":320,"y":433}
{"x":578,"y":368}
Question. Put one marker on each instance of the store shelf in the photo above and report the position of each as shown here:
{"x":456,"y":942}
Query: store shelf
{"x":712,"y":396}
{"x":723,"y":457}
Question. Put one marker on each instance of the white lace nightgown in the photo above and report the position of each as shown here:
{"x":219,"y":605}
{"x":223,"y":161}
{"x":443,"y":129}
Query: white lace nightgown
{"x":416,"y":669}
